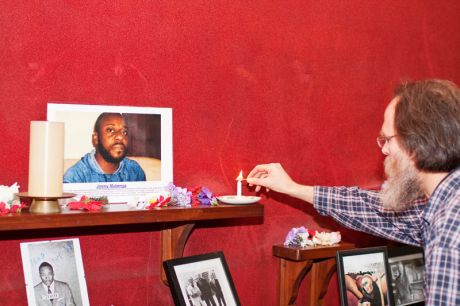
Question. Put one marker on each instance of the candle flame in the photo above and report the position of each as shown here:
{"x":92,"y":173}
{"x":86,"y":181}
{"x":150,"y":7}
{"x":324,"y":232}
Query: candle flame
{"x":240,"y":176}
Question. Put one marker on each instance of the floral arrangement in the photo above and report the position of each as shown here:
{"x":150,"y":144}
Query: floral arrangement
{"x":301,"y":237}
{"x":182,"y":197}
{"x":87,"y":203}
{"x":9,"y":202}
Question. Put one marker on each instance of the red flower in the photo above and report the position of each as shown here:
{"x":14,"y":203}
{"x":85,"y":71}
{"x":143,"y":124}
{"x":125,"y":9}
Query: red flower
{"x":14,"y":208}
{"x":160,"y":202}
{"x":312,"y":233}
{"x":3,"y":209}
{"x":86,"y":204}
{"x":94,"y":205}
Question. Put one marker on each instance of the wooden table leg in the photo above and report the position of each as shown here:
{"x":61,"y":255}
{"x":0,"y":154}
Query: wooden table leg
{"x":172,"y":244}
{"x":290,"y":278}
{"x":320,"y":276}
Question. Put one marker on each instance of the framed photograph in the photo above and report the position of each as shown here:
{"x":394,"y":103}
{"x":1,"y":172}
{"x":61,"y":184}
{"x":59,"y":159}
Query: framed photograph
{"x":201,"y":280}
{"x":53,"y":273}
{"x":364,"y":277}
{"x":122,"y":152}
{"x":406,"y":266}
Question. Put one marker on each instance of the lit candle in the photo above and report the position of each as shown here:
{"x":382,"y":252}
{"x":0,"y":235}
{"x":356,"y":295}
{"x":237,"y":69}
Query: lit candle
{"x":238,"y":184}
{"x":46,"y":158}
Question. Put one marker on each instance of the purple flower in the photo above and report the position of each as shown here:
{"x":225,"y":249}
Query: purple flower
{"x":297,"y":236}
{"x":206,"y":197}
{"x":180,"y":196}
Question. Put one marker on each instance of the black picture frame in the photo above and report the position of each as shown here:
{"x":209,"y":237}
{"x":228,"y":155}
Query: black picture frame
{"x":364,"y":277}
{"x":406,"y":268}
{"x":199,"y":277}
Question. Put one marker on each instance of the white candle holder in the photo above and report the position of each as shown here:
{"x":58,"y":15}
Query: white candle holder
{"x":238,"y":200}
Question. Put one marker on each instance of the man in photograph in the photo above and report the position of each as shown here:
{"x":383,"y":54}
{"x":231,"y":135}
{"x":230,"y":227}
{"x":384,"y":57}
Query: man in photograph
{"x":206,"y":291}
{"x":50,"y":291}
{"x":217,"y":290}
{"x":193,"y":292}
{"x":108,"y":161}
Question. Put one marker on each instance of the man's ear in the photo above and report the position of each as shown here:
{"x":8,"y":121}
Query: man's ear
{"x":94,"y":139}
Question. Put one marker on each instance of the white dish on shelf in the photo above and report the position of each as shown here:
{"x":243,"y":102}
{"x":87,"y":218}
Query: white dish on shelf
{"x":238,"y":200}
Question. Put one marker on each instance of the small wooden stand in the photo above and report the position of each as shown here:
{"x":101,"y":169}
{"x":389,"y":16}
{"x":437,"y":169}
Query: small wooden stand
{"x":318,"y":263}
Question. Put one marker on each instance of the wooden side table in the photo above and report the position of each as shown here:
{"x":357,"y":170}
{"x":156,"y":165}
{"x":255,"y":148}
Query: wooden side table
{"x":317,"y":263}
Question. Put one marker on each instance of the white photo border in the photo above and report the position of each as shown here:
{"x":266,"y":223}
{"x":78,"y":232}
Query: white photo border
{"x":30,"y":266}
{"x":123,"y":192}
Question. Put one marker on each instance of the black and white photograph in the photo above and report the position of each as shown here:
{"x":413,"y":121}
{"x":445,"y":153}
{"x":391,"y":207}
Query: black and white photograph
{"x":201,"y":280}
{"x":406,"y":267}
{"x":121,"y":152}
{"x":364,"y":277}
{"x":53,"y":273}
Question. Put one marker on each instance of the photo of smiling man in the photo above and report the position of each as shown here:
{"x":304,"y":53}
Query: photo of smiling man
{"x":107,"y":162}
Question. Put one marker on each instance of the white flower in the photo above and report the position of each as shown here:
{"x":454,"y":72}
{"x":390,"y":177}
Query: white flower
{"x":325,"y":238}
{"x":8,"y":194}
{"x":303,"y":238}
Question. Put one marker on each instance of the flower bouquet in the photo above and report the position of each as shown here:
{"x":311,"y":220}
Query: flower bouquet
{"x":182,"y":197}
{"x":301,"y":237}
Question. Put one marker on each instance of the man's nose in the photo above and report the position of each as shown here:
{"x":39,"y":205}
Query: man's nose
{"x":119,"y":135}
{"x":386,"y":149}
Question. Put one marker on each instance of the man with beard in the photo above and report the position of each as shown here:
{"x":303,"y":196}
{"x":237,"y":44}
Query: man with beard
{"x":419,"y":204}
{"x":108,"y":161}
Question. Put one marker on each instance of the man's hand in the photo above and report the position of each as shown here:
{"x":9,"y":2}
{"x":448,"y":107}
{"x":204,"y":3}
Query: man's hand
{"x":274,"y":177}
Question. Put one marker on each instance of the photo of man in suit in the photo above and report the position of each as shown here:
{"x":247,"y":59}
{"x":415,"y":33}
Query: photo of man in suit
{"x":51,"y":292}
{"x":217,"y":290}
{"x":206,"y":291}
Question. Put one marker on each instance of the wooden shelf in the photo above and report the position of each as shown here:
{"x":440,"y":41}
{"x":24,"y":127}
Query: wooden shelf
{"x":117,"y":214}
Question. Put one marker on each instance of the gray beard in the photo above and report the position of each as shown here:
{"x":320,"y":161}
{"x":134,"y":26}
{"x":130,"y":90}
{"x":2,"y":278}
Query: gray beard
{"x":402,"y":186}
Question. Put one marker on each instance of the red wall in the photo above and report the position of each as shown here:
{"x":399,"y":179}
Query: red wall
{"x":299,"y":82}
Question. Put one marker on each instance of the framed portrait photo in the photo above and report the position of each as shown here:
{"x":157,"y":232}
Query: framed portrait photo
{"x":406,"y":266}
{"x":201,"y":280}
{"x":53,"y":273}
{"x":363,"y":276}
{"x":121,"y":152}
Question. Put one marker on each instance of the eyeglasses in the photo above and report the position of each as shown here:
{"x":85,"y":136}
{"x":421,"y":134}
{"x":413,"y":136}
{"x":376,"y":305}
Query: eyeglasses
{"x":382,"y":140}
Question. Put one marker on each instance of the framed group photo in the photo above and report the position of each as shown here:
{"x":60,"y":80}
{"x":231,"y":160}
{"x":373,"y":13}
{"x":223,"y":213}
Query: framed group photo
{"x":364,"y":277}
{"x":406,"y":266}
{"x":53,"y":273}
{"x":201,"y":280}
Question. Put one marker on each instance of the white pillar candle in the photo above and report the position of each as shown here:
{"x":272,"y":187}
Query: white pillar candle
{"x":46,"y":159}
